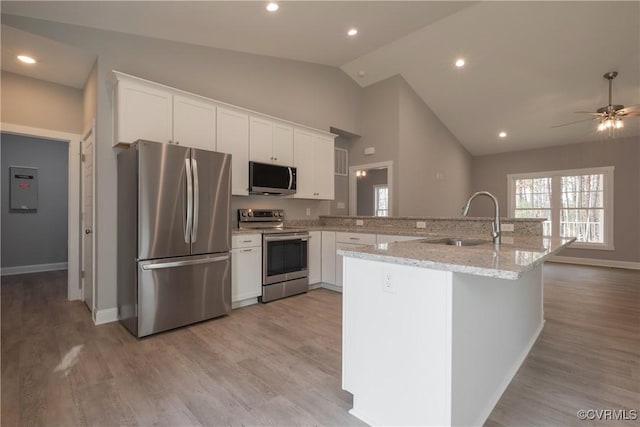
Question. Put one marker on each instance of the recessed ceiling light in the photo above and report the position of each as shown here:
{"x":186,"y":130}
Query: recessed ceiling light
{"x":272,"y":7}
{"x":26,"y":59}
{"x":352,"y":32}
{"x":502,"y":134}
{"x":460,"y":62}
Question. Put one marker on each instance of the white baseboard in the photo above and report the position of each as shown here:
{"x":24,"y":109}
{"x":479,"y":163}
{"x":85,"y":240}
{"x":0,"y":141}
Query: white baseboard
{"x":596,"y":262}
{"x":329,"y":286}
{"x":244,"y":303}
{"x":493,"y":401}
{"x":107,"y":315}
{"x":37,"y":268}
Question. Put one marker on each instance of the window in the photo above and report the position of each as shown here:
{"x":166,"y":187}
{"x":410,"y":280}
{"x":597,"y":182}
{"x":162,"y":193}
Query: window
{"x":381,"y":200}
{"x":574,"y":202}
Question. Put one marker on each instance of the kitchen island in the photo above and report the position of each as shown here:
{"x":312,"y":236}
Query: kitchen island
{"x":433,"y":334}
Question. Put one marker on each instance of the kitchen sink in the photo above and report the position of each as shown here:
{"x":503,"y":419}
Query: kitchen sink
{"x":454,"y":241}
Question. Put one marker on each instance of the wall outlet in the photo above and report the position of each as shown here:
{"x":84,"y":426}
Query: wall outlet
{"x":308,"y":211}
{"x":340,"y":205}
{"x":507,"y":227}
{"x":421,"y":224}
{"x":388,"y":284}
{"x":359,"y":222}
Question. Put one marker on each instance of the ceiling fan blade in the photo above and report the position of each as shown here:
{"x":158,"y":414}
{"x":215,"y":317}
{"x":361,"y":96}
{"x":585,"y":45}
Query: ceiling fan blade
{"x":630,"y":111}
{"x":573,"y":123}
{"x":588,"y":112}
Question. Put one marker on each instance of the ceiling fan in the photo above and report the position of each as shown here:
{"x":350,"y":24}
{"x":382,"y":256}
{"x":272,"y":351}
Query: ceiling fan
{"x":609,"y":116}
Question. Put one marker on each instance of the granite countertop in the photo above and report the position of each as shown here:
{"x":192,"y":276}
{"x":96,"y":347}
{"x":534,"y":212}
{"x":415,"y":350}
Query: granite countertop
{"x":510,"y":260}
{"x":348,"y":229}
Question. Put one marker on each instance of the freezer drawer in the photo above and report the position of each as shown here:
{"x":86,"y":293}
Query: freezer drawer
{"x":178,"y":291}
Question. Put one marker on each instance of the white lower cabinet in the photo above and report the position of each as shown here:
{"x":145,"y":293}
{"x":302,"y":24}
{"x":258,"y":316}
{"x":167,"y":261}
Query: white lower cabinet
{"x":246,"y":269}
{"x":350,"y":241}
{"x":329,"y":257}
{"x":315,"y":257}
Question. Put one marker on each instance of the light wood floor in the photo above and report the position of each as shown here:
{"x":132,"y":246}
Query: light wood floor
{"x":279,"y":363}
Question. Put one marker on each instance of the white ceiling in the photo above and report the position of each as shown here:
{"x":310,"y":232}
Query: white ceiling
{"x":530,"y":65}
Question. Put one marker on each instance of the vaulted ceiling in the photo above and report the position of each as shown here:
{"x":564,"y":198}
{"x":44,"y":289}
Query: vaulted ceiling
{"x":529,"y":65}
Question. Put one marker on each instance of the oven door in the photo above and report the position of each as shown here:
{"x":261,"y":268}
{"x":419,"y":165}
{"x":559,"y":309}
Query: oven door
{"x":284,"y":257}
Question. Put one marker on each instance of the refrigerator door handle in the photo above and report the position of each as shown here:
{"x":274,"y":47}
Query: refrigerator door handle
{"x":290,"y":178}
{"x":196,"y":200}
{"x":174,"y":264}
{"x":189,"y":224}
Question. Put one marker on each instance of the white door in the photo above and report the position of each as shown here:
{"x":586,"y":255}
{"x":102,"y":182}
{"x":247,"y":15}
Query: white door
{"x":87,"y":220}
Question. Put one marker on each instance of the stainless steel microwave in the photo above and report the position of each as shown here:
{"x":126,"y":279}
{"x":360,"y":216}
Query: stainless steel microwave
{"x":271,"y":179}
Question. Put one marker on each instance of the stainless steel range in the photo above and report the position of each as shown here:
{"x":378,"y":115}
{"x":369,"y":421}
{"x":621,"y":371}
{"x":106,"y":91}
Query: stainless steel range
{"x":285,"y":253}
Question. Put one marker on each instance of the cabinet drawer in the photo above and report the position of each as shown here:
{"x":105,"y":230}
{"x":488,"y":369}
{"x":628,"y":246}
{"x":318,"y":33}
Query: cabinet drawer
{"x":357,"y":238}
{"x":246,"y":240}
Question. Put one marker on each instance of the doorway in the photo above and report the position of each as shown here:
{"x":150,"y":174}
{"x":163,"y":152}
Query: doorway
{"x":370,"y":189}
{"x":70,"y":240}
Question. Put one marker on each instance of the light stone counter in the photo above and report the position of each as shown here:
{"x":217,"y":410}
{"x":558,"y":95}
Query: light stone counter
{"x":510,"y":260}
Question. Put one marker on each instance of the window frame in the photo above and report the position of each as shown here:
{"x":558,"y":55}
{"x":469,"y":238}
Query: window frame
{"x":375,"y":200}
{"x":607,"y":173}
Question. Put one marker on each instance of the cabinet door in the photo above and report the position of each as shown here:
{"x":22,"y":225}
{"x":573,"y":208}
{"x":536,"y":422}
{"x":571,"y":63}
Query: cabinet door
{"x":143,"y":112}
{"x":329,"y":257}
{"x":260,"y":140}
{"x":315,"y":257}
{"x":282,"y":144}
{"x":304,"y":162}
{"x":246,"y":273}
{"x":194,"y":122}
{"x":232,"y":135}
{"x":324,"y":168}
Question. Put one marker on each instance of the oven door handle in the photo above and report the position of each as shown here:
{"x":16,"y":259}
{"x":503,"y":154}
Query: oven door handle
{"x":299,"y":236}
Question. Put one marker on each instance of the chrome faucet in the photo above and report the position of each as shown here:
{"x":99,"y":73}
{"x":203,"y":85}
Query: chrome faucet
{"x":495,"y":226}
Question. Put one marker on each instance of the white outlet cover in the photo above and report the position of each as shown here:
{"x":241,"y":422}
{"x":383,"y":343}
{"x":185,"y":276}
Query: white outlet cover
{"x":359,"y":222}
{"x":507,"y":227}
{"x":421,"y":224}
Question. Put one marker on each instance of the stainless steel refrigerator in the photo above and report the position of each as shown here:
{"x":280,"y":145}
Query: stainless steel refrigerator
{"x":174,"y":236}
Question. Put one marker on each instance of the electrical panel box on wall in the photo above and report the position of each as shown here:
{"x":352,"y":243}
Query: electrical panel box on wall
{"x":24,"y":188}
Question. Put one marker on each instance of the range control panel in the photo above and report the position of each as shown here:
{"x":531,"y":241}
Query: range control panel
{"x":260,"y":215}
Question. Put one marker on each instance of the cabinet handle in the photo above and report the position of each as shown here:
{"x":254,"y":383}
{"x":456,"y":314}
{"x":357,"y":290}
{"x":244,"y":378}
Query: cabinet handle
{"x":354,"y":238}
{"x":246,"y":241}
{"x":177,"y":142}
{"x":275,"y":158}
{"x":247,"y":250}
{"x":170,"y":142}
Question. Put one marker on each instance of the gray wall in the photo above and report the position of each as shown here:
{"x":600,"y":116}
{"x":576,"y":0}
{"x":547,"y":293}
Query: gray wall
{"x":427,"y":147}
{"x":40,"y":104}
{"x":90,"y":100}
{"x":37,"y":237}
{"x":365,"y":197}
{"x":380,"y":130}
{"x":490,"y":173}
{"x":313,"y":95}
{"x":403,"y":129}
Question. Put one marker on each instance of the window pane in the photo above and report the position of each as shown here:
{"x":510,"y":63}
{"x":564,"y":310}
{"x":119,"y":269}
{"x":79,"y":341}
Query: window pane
{"x":533,"y":193}
{"x":537,"y":213}
{"x":381,"y":200}
{"x":587,"y":225}
{"x":582,"y":191}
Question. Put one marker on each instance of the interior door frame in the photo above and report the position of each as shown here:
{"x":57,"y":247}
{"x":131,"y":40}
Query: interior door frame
{"x":87,"y":134}
{"x":353,"y":184}
{"x":73,"y":198}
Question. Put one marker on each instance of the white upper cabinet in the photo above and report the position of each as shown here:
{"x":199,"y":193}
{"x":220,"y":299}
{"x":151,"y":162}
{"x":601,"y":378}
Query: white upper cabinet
{"x":282,"y":144}
{"x":155,"y":113}
{"x":270,"y":142}
{"x":232,"y":136}
{"x":313,"y":158}
{"x":260,"y":140}
{"x":142,"y":112}
{"x":323,"y":151}
{"x":194,"y":122}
